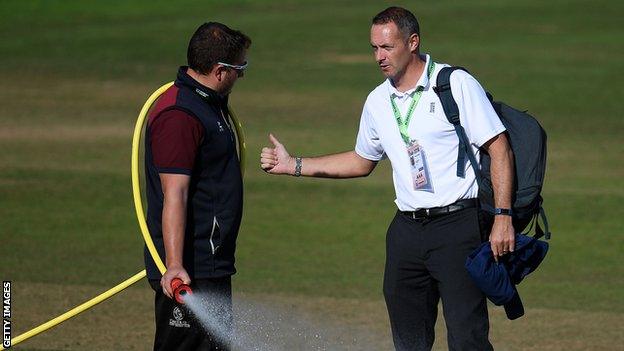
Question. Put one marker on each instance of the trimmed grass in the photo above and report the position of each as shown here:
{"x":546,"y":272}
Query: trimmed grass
{"x":294,"y":322}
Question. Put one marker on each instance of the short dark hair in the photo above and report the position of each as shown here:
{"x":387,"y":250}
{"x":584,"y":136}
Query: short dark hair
{"x":404,"y":20}
{"x":215,"y":42}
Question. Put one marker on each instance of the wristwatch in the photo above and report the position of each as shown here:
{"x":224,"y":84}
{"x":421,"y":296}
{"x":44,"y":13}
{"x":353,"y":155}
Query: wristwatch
{"x":297,"y":166}
{"x":503,"y":211}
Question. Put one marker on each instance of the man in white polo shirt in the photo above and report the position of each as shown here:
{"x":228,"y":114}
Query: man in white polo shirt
{"x":437,"y":223}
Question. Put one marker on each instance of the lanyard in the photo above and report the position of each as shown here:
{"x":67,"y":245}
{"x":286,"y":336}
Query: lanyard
{"x":403,"y":123}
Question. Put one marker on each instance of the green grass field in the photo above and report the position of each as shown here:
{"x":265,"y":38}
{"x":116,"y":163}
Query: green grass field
{"x":75,"y":74}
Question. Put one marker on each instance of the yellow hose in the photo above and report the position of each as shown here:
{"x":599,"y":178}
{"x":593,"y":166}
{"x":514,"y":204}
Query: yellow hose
{"x":138,"y":206}
{"x":240,"y":139}
{"x":77,"y":310}
{"x":136,"y":185}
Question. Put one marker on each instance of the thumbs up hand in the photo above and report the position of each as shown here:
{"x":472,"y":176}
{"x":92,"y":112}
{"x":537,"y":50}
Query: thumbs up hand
{"x":276,"y":160}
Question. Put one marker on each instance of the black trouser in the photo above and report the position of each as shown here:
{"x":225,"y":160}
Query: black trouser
{"x":177,"y":328}
{"x":425,"y":262}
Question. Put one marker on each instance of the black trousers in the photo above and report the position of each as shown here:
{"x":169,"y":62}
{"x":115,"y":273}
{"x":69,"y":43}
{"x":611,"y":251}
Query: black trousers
{"x":179,"y":328}
{"x":425,"y":263}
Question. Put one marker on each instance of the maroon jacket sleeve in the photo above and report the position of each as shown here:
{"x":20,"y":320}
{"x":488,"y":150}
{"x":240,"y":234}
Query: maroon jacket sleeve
{"x":175,"y":139}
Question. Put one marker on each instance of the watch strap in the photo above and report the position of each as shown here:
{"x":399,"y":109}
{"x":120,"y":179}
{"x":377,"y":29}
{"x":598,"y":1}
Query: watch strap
{"x":503,"y":211}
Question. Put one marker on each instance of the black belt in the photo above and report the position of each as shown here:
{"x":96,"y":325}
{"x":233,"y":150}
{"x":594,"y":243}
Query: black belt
{"x":432,"y":212}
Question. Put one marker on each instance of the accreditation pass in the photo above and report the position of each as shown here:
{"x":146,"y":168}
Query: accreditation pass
{"x":421,"y":178}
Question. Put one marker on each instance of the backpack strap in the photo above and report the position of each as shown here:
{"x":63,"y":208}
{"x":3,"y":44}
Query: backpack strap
{"x":537,"y":214}
{"x":538,"y":230}
{"x":443,"y":90}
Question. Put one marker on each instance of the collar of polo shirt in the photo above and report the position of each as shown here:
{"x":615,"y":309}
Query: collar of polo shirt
{"x":423,"y":81}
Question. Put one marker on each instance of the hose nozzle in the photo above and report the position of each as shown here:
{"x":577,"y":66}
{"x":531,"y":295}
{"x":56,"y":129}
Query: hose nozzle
{"x":180,"y":290}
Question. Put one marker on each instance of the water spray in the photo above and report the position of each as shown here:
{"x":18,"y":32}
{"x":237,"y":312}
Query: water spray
{"x":180,"y":290}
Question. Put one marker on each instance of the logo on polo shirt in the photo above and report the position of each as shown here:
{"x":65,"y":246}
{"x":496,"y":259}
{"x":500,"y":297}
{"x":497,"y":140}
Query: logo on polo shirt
{"x":178,"y":320}
{"x":220,"y":126}
{"x":432,"y":107}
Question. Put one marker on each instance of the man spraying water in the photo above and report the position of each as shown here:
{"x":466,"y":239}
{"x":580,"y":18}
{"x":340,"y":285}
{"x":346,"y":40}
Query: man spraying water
{"x":195,"y":191}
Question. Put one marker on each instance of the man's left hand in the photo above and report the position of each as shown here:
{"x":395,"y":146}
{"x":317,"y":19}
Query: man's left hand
{"x":502,"y":236}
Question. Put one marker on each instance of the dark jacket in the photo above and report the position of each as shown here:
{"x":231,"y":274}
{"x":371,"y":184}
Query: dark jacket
{"x":498,"y":280}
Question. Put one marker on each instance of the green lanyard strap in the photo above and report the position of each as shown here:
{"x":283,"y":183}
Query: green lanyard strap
{"x":404,"y":123}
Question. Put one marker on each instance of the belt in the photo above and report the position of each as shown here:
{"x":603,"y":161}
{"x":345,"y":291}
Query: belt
{"x":432,"y":212}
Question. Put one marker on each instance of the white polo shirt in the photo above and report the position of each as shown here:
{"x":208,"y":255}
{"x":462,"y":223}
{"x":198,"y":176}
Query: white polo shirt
{"x":379,"y":137}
